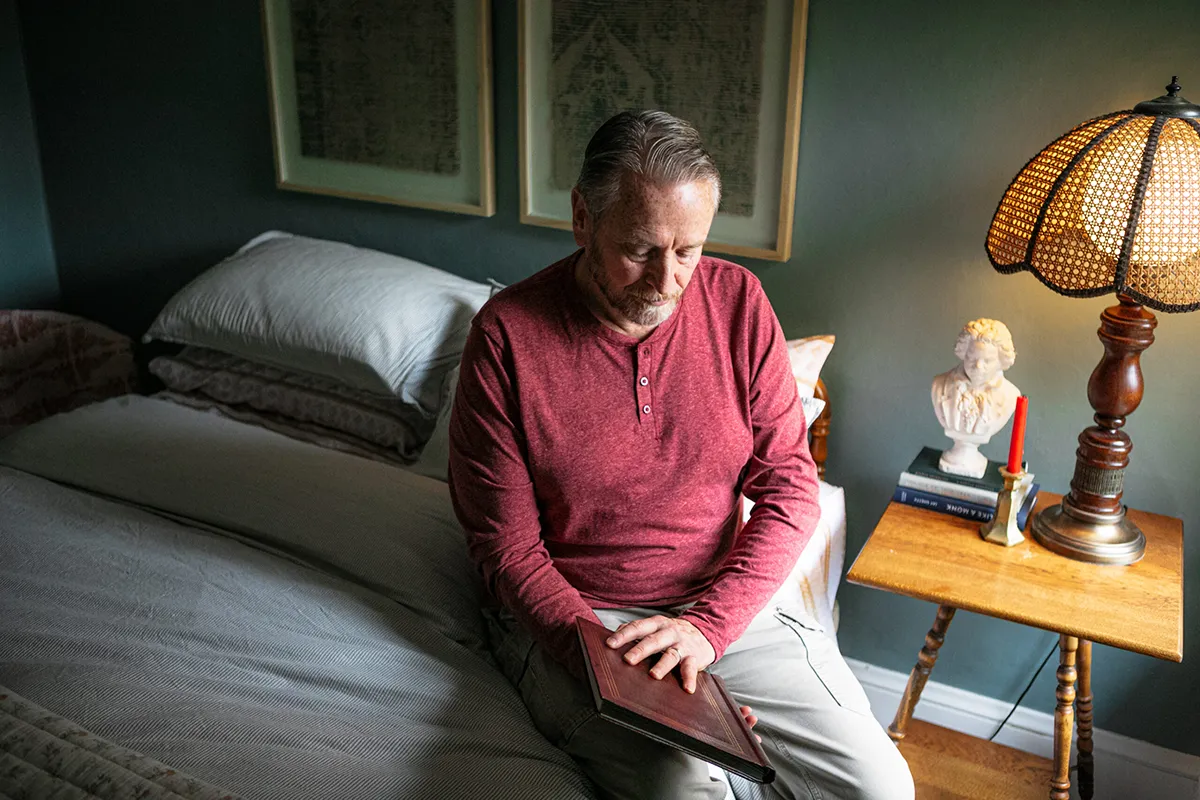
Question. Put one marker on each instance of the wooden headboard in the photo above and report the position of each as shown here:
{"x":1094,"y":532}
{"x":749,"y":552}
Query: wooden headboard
{"x":820,"y":430}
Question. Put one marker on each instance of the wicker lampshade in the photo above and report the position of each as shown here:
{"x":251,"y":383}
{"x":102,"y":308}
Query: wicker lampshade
{"x":1112,"y":206}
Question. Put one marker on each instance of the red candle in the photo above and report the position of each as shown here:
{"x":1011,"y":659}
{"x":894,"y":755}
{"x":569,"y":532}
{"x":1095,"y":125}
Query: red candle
{"x":1017,"y":445}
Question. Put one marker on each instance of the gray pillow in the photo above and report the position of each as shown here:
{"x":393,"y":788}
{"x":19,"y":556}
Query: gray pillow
{"x":435,"y":457}
{"x":374,"y":321}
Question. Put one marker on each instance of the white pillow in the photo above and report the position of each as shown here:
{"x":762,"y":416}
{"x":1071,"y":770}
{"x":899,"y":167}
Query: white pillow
{"x":807,"y":356}
{"x":377,"y":322}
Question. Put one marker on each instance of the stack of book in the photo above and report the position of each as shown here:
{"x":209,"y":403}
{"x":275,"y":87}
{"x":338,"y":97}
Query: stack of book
{"x":926,"y":486}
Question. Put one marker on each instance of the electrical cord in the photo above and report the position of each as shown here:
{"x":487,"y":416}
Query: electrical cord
{"x":1028,"y":686}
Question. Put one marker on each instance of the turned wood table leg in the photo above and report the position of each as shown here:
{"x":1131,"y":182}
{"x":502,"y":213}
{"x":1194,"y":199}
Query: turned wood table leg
{"x":1064,"y":718}
{"x":920,"y":673}
{"x":1083,"y":711}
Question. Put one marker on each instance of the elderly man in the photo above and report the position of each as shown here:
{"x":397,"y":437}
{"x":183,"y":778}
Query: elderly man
{"x":610,"y":410}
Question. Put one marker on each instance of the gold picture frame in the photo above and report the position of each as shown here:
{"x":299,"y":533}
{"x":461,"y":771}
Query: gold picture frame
{"x":336,"y":85}
{"x":558,"y":36}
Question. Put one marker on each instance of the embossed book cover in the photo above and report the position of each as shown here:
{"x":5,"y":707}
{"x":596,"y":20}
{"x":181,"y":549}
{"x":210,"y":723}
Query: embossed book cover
{"x":706,"y":724}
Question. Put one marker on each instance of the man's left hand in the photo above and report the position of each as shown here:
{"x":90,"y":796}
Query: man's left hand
{"x":680,"y":642}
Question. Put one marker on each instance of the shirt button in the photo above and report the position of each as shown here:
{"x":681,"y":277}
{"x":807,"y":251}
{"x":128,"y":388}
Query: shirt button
{"x":645,"y":409}
{"x":644,"y":380}
{"x":645,"y":351}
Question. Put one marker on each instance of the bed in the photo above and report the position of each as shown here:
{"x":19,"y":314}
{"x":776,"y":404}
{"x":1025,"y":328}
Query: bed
{"x":195,"y":606}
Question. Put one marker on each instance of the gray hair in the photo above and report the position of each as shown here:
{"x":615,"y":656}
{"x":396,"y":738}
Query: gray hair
{"x":988,"y":331}
{"x":653,"y":145}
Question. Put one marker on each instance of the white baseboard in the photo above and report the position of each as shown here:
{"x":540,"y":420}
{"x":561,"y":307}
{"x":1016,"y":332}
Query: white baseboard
{"x":1126,"y":769}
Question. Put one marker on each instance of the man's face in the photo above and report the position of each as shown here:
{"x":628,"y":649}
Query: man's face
{"x":646,"y":246}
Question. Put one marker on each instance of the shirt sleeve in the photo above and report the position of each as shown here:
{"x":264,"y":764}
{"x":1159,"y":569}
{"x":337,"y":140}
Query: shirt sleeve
{"x":781,"y":481}
{"x":493,"y":497}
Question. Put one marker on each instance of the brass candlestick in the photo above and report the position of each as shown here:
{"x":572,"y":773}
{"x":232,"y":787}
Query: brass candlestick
{"x":1003,"y":528}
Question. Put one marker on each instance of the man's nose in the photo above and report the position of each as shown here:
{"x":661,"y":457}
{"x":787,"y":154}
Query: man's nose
{"x":661,"y":274}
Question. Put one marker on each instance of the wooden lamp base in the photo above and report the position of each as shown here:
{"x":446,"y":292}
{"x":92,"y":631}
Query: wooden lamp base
{"x":1090,"y":523}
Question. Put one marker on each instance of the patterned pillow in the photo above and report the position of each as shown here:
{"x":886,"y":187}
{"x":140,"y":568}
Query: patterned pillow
{"x":319,"y":435}
{"x":381,"y":420}
{"x":52,"y":362}
{"x":808,"y":356}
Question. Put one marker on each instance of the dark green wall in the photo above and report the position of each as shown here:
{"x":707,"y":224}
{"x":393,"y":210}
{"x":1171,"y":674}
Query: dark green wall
{"x":157,"y":157}
{"x":27,"y":278}
{"x":914,"y":123}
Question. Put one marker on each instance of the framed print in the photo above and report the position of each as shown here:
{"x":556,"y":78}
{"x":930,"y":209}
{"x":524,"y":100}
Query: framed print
{"x":733,"y":68}
{"x":383,"y":101}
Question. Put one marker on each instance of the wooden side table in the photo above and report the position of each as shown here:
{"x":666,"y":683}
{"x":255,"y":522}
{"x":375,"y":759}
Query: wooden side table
{"x":941,"y":558}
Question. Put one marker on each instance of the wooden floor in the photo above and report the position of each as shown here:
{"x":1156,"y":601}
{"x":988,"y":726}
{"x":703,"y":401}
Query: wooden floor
{"x":948,"y":765}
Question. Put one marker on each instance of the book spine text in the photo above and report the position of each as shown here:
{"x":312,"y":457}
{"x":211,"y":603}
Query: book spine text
{"x":949,"y":490}
{"x":957,"y":508}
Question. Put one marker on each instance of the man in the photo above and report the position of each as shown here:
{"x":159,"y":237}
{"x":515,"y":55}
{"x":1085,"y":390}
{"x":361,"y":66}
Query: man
{"x":610,"y":409}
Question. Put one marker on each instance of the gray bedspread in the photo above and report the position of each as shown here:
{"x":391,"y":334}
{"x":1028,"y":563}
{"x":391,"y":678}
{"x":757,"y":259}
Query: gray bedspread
{"x":305,"y":626}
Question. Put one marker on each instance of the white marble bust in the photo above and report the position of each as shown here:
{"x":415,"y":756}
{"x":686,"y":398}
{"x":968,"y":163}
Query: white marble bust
{"x":974,"y":400}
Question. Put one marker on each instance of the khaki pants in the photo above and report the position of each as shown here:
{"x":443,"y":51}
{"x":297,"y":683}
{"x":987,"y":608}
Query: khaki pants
{"x":814,"y":719}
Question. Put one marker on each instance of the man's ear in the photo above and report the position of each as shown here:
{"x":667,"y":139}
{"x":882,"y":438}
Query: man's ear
{"x":581,"y":221}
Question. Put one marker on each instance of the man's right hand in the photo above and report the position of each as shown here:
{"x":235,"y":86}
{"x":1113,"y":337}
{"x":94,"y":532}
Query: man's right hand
{"x":681,"y":643}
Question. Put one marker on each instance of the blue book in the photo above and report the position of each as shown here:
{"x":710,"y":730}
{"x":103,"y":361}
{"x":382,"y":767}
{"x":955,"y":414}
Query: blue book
{"x":962,"y":508}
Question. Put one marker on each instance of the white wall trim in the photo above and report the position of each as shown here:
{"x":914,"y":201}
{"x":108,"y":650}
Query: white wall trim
{"x":1125,"y":768}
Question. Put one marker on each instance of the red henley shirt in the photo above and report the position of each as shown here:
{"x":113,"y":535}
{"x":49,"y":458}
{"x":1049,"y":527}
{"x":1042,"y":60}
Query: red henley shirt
{"x":591,"y":470}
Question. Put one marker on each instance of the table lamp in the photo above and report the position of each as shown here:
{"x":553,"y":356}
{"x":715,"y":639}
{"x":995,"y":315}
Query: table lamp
{"x":1111,"y":206}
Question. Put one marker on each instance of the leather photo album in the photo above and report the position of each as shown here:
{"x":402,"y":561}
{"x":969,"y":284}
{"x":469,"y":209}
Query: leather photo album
{"x":706,"y":724}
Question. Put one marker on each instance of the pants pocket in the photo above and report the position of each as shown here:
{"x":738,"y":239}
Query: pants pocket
{"x":825,"y":660}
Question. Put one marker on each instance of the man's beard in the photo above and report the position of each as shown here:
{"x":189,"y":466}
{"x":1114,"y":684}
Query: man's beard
{"x":636,"y":307}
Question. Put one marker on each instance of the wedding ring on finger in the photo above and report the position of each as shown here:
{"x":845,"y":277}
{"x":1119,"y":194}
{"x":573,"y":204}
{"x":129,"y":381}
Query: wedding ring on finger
{"x":675,"y":652}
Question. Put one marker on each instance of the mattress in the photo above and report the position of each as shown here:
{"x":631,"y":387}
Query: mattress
{"x":267,"y":616}
{"x":273,"y":618}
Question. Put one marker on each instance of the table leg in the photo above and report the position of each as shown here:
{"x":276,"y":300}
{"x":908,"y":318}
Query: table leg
{"x":1064,"y":718}
{"x":920,"y":673}
{"x":1083,"y":711}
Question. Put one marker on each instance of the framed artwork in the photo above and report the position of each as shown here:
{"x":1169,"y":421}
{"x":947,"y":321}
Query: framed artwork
{"x":733,"y":68}
{"x":383,"y":101}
